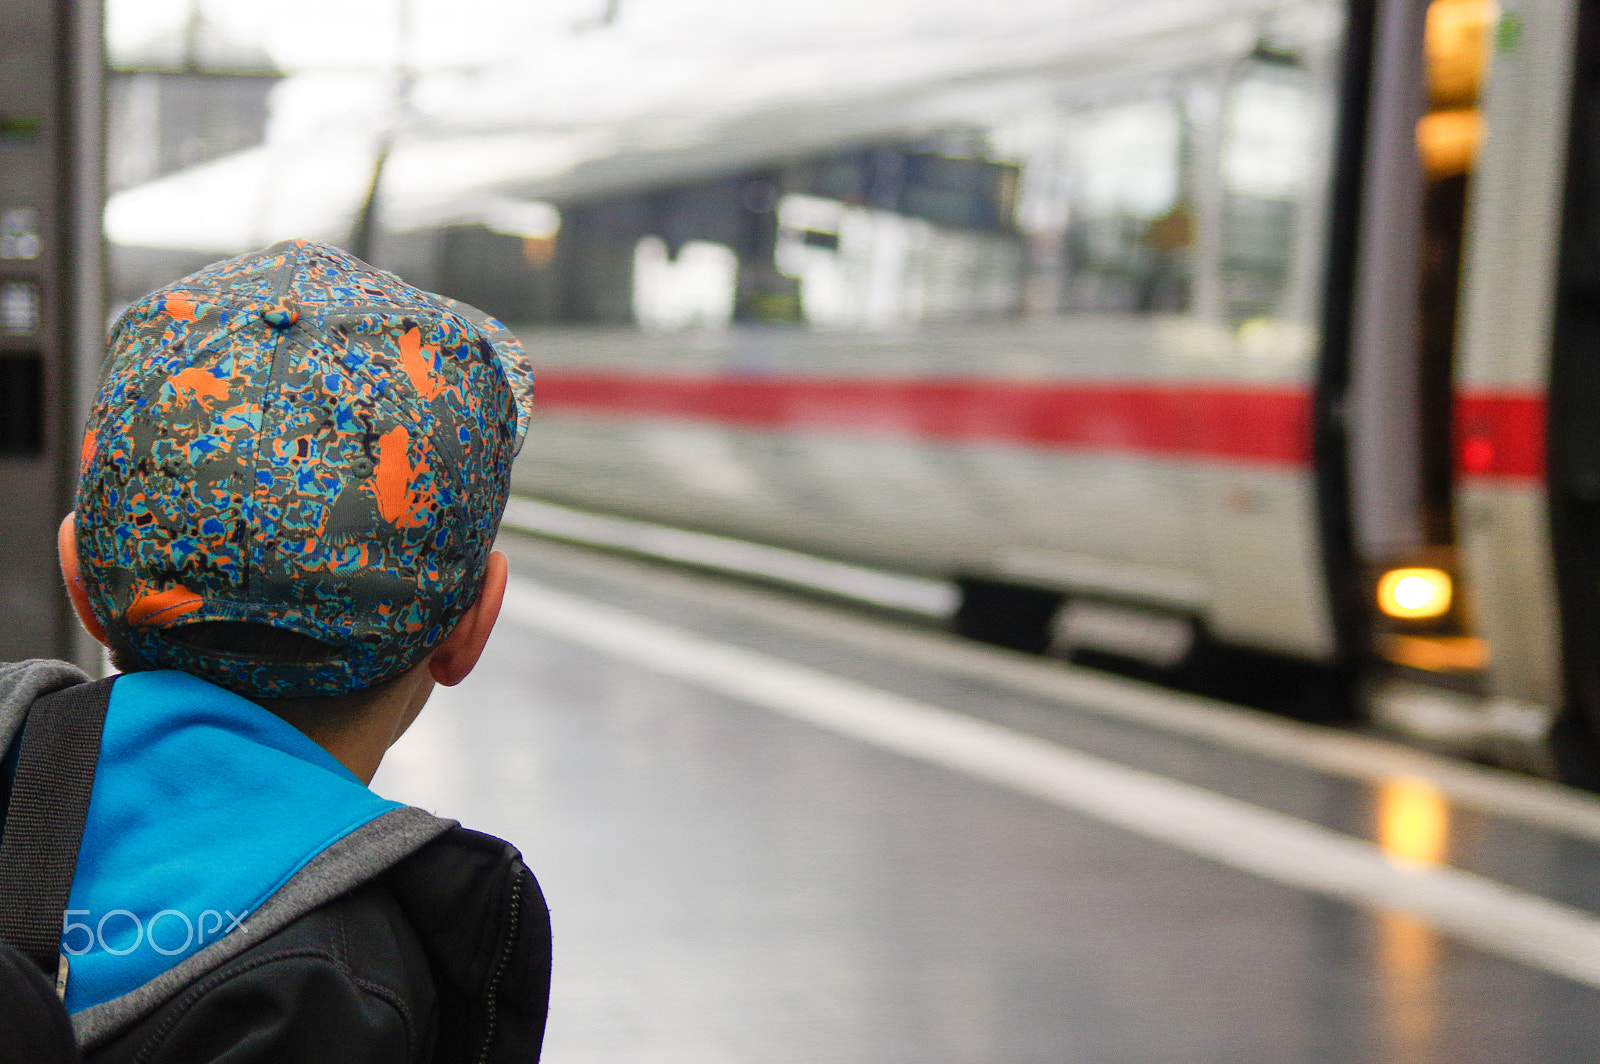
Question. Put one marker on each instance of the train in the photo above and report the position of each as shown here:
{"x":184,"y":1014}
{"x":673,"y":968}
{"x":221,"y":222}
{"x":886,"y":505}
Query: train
{"x":1269,"y":326}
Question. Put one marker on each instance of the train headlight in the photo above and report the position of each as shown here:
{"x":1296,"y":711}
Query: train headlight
{"x":1414,"y":594}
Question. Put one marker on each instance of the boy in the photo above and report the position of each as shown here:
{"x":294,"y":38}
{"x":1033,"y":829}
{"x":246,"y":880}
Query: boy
{"x":289,"y":489}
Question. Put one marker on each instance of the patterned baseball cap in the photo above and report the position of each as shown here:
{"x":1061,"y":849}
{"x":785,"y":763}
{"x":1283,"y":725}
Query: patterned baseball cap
{"x":295,"y":439}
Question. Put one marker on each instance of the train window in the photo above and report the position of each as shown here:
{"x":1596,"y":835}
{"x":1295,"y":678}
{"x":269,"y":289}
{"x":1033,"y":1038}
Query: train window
{"x":694,"y":289}
{"x":1267,"y":137}
{"x":1267,"y":151}
{"x":862,"y":266}
{"x":1193,"y":195}
{"x":1130,"y":222}
{"x":858,"y":266}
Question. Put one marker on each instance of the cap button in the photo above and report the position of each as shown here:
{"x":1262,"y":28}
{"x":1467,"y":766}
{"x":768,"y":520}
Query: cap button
{"x":280,"y":317}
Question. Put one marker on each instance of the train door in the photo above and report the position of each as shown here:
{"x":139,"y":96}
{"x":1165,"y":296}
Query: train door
{"x":1513,"y":503}
{"x":1423,"y":133}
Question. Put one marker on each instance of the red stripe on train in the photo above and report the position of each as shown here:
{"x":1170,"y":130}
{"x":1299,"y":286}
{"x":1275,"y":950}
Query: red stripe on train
{"x":1499,"y":436}
{"x":1259,"y":425}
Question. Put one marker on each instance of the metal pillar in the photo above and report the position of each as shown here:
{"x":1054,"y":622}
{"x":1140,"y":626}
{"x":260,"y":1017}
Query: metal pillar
{"x":52,"y":307}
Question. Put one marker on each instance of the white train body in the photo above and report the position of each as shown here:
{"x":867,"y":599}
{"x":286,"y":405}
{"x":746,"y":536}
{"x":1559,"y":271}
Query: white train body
{"x":1120,"y":388}
{"x":814,"y":452}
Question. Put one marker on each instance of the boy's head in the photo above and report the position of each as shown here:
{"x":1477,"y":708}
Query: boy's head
{"x":293,"y":473}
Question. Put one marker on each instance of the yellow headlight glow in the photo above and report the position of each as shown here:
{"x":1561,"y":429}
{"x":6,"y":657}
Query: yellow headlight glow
{"x":1413,"y":594}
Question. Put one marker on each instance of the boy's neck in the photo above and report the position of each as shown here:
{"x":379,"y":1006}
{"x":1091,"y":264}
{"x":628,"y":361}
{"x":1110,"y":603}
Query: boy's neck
{"x":358,"y":731}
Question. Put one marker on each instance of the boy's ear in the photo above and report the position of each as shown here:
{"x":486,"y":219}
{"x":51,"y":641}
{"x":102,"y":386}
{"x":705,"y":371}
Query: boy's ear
{"x":455,"y":656}
{"x":67,"y":548}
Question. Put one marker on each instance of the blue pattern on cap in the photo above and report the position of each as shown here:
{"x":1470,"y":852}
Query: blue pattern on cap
{"x":294,"y":438}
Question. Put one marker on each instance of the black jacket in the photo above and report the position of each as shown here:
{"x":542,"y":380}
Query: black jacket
{"x":446,"y":957}
{"x":408,"y":939}
{"x":34,"y":1028}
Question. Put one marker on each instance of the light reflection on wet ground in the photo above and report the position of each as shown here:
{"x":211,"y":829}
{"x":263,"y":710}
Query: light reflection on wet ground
{"x":731,"y":886}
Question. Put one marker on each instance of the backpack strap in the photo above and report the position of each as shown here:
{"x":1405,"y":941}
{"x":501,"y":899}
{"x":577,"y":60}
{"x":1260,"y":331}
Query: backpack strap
{"x":56,"y":758}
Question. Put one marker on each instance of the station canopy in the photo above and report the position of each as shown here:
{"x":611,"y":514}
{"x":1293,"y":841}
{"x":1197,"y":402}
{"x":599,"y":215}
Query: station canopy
{"x":482,"y":105}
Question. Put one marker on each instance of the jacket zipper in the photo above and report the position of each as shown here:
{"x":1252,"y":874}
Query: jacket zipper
{"x":508,"y":944}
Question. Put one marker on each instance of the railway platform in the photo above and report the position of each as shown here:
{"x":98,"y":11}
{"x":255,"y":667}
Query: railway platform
{"x":772,"y":828}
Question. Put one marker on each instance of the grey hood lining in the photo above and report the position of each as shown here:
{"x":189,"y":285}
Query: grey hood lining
{"x":23,"y":682}
{"x":360,"y":856}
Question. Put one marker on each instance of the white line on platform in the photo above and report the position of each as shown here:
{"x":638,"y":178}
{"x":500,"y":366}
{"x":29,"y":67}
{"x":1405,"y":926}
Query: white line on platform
{"x":913,"y":594}
{"x":1485,"y":913}
{"x":1497,"y":792}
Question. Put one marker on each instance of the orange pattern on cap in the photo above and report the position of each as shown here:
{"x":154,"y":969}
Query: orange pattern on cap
{"x":86,"y":455}
{"x":162,"y":606}
{"x":419,"y":366}
{"x":179,"y":307}
{"x":197,"y":383}
{"x":393,"y":477}
{"x":271,"y":482}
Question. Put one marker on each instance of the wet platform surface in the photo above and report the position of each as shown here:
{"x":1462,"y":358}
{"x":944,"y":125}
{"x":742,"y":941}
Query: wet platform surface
{"x":732,"y":880}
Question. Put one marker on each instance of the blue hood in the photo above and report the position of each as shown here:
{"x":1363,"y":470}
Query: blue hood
{"x":204,"y":804}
